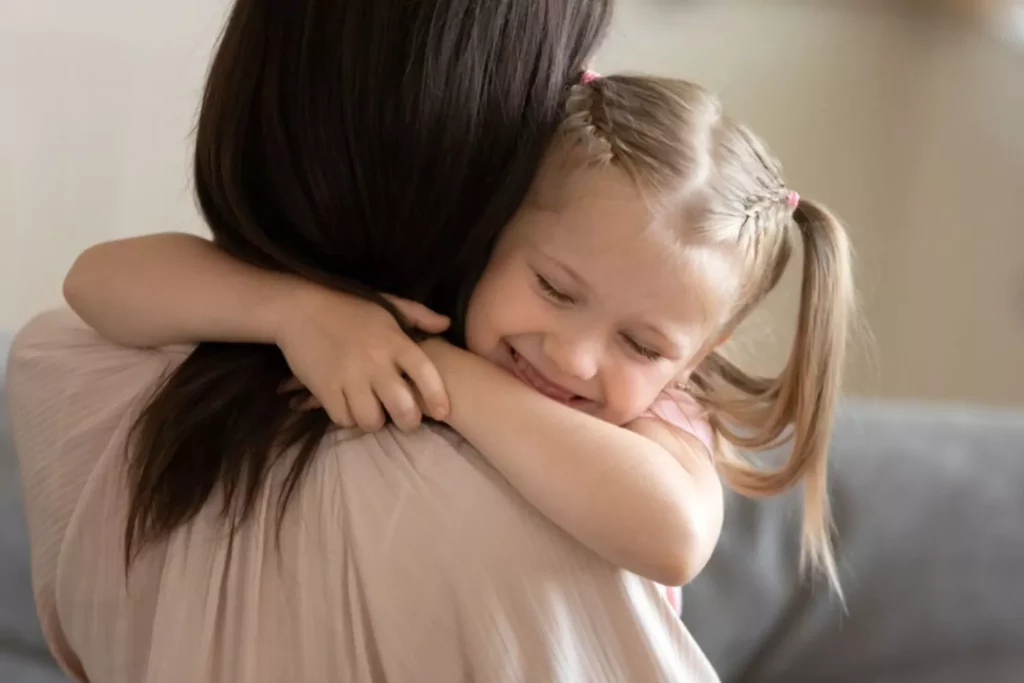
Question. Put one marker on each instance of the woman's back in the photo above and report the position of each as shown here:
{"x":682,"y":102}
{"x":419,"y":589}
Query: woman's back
{"x":402,"y":557}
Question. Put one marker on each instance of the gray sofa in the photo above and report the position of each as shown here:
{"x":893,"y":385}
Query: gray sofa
{"x":929,"y":503}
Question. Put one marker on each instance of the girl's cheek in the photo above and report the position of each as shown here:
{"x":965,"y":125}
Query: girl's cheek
{"x":640,"y":388}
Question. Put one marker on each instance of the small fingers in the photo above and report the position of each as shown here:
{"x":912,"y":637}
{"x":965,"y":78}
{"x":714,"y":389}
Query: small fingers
{"x":339,"y":412}
{"x":336,"y":408}
{"x":419,"y":315}
{"x":424,"y":376}
{"x":397,"y":398}
{"x":364,"y":407}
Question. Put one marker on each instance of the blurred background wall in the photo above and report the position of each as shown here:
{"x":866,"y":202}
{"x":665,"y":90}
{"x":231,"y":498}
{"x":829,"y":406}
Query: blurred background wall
{"x":907,"y":118}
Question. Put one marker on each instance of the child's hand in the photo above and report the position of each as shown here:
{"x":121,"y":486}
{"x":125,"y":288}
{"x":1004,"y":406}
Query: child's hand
{"x":351,"y":355}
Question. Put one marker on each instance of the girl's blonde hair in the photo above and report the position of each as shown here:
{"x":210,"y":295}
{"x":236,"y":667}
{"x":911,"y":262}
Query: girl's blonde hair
{"x":719,"y":180}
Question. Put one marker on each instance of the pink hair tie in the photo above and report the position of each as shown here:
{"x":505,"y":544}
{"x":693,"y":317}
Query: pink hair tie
{"x":589,"y":77}
{"x":793,"y":199}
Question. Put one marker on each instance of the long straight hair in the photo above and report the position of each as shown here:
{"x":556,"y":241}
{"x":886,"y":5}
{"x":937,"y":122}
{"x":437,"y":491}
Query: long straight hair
{"x":367,"y":145}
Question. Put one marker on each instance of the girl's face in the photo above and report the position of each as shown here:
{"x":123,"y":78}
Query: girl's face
{"x":589,"y":303}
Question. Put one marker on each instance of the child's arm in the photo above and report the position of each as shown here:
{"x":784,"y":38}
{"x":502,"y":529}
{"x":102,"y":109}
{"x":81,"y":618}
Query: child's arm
{"x":348,"y":352}
{"x":174,"y":289}
{"x":647,"y":499}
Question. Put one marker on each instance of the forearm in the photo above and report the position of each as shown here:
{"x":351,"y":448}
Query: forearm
{"x":173,"y":288}
{"x":617,"y":492}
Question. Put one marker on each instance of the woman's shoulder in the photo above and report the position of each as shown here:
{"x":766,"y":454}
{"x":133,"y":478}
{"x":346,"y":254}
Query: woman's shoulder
{"x":56,"y":348}
{"x":60,"y":334}
{"x":63,"y":377}
{"x":70,"y":395}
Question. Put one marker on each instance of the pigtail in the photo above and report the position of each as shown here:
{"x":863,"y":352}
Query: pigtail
{"x":674,"y":141}
{"x":761,"y":413}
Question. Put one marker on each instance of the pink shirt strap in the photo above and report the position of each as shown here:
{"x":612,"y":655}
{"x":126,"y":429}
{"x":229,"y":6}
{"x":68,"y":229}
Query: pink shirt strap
{"x":678,"y":408}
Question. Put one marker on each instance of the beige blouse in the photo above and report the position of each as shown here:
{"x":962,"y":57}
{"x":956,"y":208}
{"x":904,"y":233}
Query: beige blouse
{"x":403,"y":557}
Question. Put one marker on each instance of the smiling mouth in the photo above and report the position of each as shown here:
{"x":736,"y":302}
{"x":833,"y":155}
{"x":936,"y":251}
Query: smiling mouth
{"x":529,"y":375}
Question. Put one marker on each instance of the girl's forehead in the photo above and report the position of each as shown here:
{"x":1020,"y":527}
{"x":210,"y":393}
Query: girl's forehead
{"x":587,"y":206}
{"x":566,"y":183}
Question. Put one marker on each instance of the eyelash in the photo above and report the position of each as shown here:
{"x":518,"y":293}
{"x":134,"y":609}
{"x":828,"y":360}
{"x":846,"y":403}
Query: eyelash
{"x":649,"y":354}
{"x":560,"y":297}
{"x":552,"y":292}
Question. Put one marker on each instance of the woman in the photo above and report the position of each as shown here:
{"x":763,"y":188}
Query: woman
{"x":341,"y":142}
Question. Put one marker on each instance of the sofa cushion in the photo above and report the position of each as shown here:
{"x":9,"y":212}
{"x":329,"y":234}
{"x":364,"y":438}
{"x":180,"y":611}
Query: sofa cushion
{"x":928,"y":504}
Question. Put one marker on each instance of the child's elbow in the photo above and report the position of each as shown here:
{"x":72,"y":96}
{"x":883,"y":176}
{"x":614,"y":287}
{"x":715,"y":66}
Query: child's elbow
{"x":683,"y":555}
{"x":675,"y":568}
{"x":77,"y":280}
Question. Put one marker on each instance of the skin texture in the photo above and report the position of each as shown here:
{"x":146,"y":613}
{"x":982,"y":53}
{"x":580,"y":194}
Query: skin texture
{"x":586,"y":299}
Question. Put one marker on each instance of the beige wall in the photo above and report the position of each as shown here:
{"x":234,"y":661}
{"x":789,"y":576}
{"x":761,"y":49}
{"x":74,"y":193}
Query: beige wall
{"x":912,"y":130}
{"x":97,"y":107}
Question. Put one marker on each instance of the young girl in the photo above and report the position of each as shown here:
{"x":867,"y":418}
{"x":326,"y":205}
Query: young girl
{"x":594,"y":383}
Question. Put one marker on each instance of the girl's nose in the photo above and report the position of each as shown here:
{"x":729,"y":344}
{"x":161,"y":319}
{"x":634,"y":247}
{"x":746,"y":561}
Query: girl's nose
{"x":577,"y":357}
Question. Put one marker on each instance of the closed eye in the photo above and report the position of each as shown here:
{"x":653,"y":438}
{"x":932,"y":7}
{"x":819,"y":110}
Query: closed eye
{"x":641,"y":350}
{"x":552,"y":292}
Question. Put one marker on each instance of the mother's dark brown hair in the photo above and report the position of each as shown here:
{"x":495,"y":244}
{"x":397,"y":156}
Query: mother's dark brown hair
{"x":369,"y":145}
